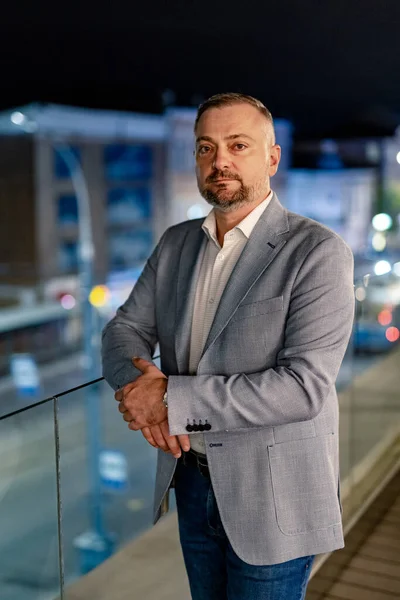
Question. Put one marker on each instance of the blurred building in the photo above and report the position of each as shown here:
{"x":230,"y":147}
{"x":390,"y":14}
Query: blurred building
{"x":355,"y":177}
{"x":341,"y":199}
{"x":122,"y":157}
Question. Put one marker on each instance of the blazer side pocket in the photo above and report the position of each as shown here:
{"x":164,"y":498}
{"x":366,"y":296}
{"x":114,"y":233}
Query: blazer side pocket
{"x":304,"y":485}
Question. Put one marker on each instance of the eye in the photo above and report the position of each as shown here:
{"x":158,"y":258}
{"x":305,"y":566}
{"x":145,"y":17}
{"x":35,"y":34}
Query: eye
{"x":240,"y":146}
{"x":202,"y":150}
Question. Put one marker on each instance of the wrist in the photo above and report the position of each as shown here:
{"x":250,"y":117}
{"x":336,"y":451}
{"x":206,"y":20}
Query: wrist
{"x":165,"y":399}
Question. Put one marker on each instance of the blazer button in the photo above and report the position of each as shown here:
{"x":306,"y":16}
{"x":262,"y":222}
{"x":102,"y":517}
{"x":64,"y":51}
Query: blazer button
{"x":207,"y":427}
{"x":195,"y":427}
{"x":189,"y":428}
{"x":201,"y":427}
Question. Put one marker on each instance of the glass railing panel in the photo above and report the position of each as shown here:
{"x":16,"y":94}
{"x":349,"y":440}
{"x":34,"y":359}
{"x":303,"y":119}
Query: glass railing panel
{"x":344,"y":386}
{"x":107,"y":480}
{"x":129,"y":505}
{"x":74,"y":479}
{"x":344,"y":389}
{"x":29,"y":557}
{"x":375,"y":404}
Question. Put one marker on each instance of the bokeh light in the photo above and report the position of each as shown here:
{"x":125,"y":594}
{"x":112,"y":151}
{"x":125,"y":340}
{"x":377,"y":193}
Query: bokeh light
{"x":392,"y":334}
{"x":382,"y":222}
{"x":17,"y":117}
{"x":385,"y":317}
{"x":68,"y":302}
{"x":196,"y":211}
{"x":360,"y":294}
{"x":99,"y":296}
{"x":378,"y":241}
{"x":382,"y":267}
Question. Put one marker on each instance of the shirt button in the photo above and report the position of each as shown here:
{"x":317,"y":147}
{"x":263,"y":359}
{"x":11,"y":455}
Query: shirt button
{"x":211,"y":301}
{"x":221,"y":256}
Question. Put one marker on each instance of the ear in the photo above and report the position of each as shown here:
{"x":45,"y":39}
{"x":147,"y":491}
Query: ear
{"x":274,"y":159}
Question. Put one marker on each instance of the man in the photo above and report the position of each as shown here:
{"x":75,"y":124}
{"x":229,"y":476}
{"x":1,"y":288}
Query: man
{"x":252,"y":308}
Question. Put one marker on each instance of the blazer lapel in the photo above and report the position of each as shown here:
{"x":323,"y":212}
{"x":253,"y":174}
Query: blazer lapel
{"x":265,"y":242}
{"x":189,"y":266}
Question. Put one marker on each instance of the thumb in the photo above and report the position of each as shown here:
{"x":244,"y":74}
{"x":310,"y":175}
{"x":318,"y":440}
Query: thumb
{"x":141,"y":364}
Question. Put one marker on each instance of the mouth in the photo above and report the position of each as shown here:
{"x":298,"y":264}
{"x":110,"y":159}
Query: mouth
{"x":222,"y":180}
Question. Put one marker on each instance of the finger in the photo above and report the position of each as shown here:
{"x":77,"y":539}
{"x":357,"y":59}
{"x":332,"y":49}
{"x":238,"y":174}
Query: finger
{"x":128,"y":417}
{"x":184,"y":442}
{"x":121,"y":407}
{"x":171,"y":440}
{"x":159,"y":438}
{"x":145,"y":366}
{"x":147,"y":434}
{"x":133,"y":425}
{"x":119,"y":394}
{"x":128,"y":388}
{"x":141,"y":363}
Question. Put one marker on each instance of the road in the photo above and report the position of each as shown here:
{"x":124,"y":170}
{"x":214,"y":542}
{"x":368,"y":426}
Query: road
{"x":28,"y":508}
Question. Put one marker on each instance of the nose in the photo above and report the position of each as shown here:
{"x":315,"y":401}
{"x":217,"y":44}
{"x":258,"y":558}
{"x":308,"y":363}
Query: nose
{"x":221,"y":160}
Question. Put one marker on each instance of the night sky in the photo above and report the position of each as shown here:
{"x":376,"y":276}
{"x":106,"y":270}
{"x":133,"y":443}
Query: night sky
{"x":328,"y":65}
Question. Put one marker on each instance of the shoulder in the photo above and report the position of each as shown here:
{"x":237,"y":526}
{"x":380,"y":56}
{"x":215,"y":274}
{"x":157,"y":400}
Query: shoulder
{"x":314,"y":235}
{"x":181,"y":230}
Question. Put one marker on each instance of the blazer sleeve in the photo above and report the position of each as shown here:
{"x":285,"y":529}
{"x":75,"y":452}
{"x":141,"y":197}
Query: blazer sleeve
{"x":317,"y":331}
{"x":133,"y":331}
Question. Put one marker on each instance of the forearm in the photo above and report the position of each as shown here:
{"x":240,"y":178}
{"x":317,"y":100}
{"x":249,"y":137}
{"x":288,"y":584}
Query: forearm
{"x":120,"y":344}
{"x":270,"y":398}
{"x":132,"y":332}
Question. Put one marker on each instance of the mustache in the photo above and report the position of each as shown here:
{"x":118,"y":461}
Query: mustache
{"x":222,"y":175}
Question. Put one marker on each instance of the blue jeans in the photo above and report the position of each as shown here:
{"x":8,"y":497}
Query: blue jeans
{"x":215,"y":572}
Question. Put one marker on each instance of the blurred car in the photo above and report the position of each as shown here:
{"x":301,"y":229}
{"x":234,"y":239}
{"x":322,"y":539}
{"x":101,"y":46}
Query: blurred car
{"x":377,"y":322}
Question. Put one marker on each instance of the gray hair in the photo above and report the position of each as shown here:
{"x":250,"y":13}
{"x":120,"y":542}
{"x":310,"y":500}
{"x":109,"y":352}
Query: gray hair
{"x":231,"y":98}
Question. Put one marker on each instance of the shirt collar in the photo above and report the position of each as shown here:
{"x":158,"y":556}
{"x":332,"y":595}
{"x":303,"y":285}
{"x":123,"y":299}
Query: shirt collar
{"x":246,"y":226}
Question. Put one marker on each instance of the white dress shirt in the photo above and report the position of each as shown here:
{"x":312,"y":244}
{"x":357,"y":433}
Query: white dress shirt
{"x":215,"y":270}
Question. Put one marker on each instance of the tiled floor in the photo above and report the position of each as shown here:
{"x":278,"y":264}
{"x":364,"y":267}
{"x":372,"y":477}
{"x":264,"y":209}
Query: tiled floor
{"x":368,"y":568}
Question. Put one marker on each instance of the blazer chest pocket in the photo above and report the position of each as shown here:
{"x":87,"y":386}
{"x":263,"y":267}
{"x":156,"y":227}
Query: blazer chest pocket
{"x":261,"y":307}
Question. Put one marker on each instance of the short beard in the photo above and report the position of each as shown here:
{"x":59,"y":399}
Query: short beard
{"x":241,"y":197}
{"x":244,"y":195}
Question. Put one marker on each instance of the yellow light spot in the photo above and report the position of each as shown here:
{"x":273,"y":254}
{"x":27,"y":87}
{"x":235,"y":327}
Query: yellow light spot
{"x":99,"y":296}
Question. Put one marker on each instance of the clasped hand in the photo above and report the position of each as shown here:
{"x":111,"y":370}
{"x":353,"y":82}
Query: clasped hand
{"x":141,"y":405}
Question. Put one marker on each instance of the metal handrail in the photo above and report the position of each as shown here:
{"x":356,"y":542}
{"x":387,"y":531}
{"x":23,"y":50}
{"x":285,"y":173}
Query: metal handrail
{"x":54,"y":397}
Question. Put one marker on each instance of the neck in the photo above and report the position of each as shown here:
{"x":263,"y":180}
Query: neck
{"x":225,"y":221}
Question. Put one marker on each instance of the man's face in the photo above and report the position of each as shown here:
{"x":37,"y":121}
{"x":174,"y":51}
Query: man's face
{"x":235,"y":156}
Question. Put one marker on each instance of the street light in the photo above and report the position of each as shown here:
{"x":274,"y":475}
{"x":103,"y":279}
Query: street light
{"x":94,"y":545}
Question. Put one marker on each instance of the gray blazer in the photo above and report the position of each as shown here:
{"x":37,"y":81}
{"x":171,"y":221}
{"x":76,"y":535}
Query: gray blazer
{"x":265,"y":382}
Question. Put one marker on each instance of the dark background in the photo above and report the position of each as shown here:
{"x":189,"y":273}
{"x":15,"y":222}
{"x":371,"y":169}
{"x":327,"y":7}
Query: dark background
{"x":332,"y":67}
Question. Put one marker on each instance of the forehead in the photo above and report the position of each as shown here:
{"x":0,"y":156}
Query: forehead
{"x":230,"y":120}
